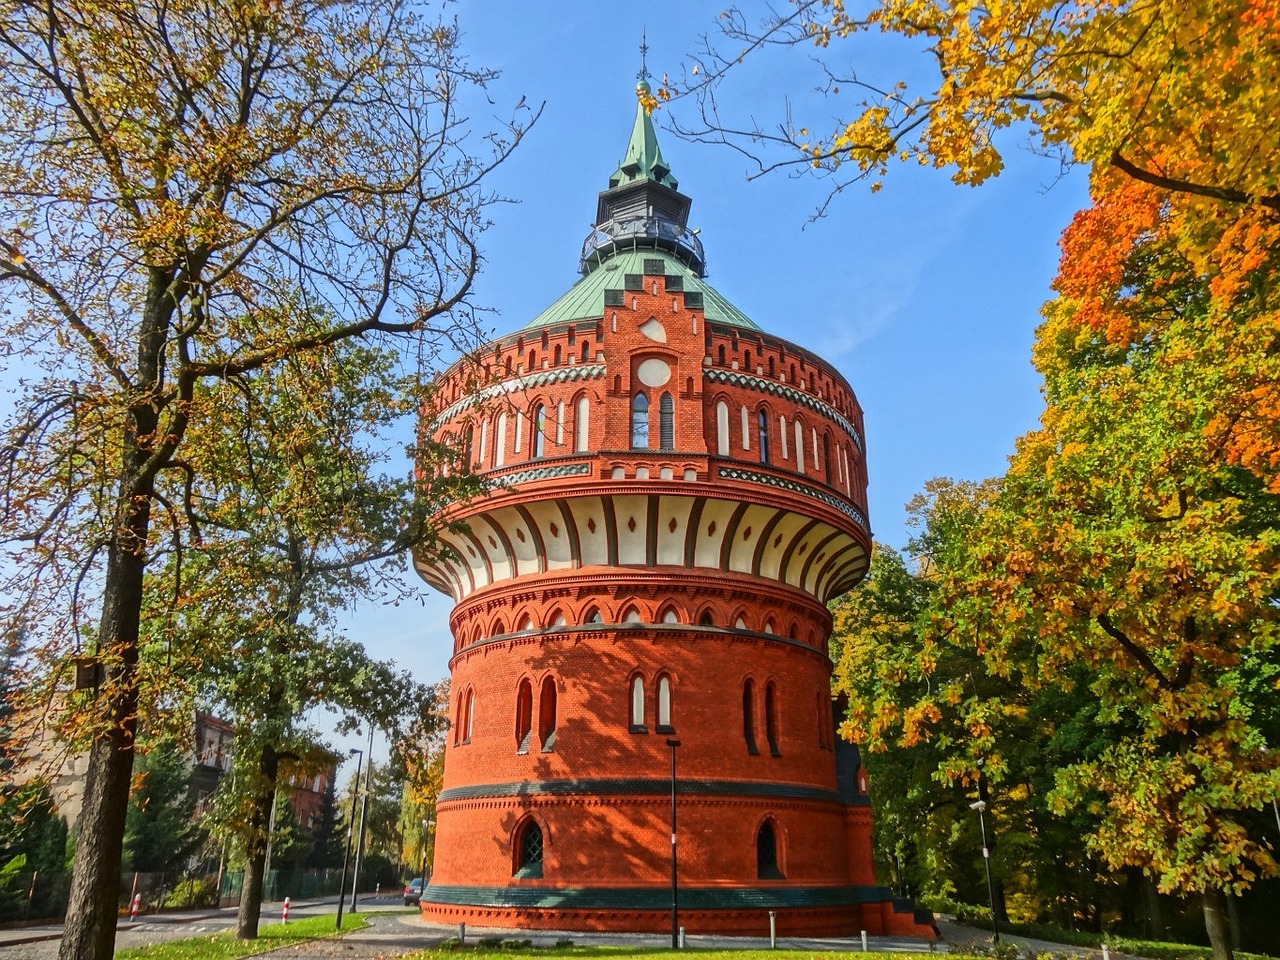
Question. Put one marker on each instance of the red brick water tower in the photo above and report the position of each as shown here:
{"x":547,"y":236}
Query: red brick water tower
{"x":641,"y":602}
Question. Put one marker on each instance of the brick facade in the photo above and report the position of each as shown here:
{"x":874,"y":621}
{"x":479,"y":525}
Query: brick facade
{"x":678,"y":496}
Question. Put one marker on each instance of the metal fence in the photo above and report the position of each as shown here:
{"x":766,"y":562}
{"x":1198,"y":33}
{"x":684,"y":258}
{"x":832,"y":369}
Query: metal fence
{"x":33,"y":896}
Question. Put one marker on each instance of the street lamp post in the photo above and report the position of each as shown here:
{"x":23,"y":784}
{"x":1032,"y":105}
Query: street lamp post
{"x":364,"y":809}
{"x":675,"y":881}
{"x":980,"y":806}
{"x":346,"y":856}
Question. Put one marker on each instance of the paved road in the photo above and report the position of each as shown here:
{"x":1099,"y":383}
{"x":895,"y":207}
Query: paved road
{"x":41,"y":943}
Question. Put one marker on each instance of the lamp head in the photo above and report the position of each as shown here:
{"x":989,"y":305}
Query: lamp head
{"x":978,"y":805}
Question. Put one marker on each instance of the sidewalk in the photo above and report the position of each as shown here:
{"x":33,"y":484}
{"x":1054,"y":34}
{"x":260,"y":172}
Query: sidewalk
{"x":960,"y":936}
{"x":392,"y":935}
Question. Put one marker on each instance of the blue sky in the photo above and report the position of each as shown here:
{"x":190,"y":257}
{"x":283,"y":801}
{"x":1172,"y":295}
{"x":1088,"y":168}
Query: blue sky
{"x":924,"y":295}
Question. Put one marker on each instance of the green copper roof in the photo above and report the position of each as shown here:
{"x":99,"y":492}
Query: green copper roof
{"x":643,"y":159}
{"x":585,"y":299}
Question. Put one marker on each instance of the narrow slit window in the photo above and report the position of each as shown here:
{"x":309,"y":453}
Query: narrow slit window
{"x":539,"y":431}
{"x":637,"y":705}
{"x":524,"y":715}
{"x":640,"y":422}
{"x":749,"y":717}
{"x":664,"y":705}
{"x":771,"y":718}
{"x":547,"y":715}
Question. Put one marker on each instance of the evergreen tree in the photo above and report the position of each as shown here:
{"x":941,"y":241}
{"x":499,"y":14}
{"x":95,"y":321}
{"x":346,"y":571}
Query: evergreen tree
{"x":160,"y":829}
{"x":329,"y":831}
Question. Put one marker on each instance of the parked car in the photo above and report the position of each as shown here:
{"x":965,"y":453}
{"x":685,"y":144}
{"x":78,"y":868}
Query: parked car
{"x":413,"y":892}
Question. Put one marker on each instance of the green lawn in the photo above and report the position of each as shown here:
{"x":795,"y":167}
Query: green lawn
{"x":224,"y":946}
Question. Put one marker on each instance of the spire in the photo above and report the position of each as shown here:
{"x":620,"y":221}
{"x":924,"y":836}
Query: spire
{"x":643,"y":206}
{"x":643,"y":159}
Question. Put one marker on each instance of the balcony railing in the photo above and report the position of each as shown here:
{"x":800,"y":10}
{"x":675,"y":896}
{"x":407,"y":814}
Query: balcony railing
{"x":641,"y":233}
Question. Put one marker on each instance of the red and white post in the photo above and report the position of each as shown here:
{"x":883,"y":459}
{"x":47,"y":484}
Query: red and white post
{"x":133,"y":907}
{"x":284,"y":915}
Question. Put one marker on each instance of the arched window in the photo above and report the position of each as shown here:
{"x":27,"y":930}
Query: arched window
{"x":500,"y":441}
{"x":560,"y":422}
{"x":582,"y":425}
{"x":666,"y":423}
{"x":484,"y":441}
{"x":771,"y":717}
{"x":529,"y":851}
{"x":468,"y":715}
{"x":762,"y":428}
{"x":593,"y":616}
{"x":669,"y":615}
{"x":640,"y":422}
{"x":767,"y":853}
{"x":631,"y":616}
{"x":782,"y":436}
{"x":746,"y":428}
{"x":799,"y":446}
{"x":547,"y":714}
{"x":664,"y":705}
{"x":637,"y":705}
{"x":706,"y":620}
{"x":524,"y":715}
{"x":539,"y":431}
{"x":722,"y":428}
{"x":468,"y":444}
{"x":749,"y":717}
{"x":826,"y":455}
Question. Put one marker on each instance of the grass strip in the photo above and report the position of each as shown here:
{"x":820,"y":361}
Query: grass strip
{"x":225,"y":946}
{"x":481,"y":952}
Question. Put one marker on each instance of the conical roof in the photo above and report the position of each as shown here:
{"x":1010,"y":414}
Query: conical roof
{"x":643,"y":159}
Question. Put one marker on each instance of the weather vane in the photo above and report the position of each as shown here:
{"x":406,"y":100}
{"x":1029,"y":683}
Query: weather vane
{"x":644,"y":56}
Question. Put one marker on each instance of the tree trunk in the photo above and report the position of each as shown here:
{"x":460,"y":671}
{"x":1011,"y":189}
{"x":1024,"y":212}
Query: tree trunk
{"x":1155,"y":913}
{"x":259,"y":836}
{"x":1215,"y":923}
{"x":93,"y":903}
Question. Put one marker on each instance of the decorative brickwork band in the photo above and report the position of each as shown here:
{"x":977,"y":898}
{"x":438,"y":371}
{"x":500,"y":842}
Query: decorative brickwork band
{"x":794,"y":486}
{"x":773,"y":388}
{"x":531,"y":381}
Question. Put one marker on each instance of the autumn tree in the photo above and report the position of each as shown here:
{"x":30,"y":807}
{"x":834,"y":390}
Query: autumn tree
{"x":1135,"y":532}
{"x":294,"y":508}
{"x":189,"y":193}
{"x":1128,"y":540}
{"x":422,"y":753}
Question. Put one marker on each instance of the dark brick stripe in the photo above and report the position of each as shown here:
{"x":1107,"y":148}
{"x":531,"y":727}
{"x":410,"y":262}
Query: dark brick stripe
{"x":655,"y":898}
{"x":644,"y":787}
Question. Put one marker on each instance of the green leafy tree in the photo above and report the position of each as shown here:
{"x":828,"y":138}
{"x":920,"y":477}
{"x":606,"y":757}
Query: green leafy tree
{"x":33,"y":839}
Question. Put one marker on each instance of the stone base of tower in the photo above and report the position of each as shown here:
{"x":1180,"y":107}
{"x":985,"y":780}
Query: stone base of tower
{"x":873,"y":909}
